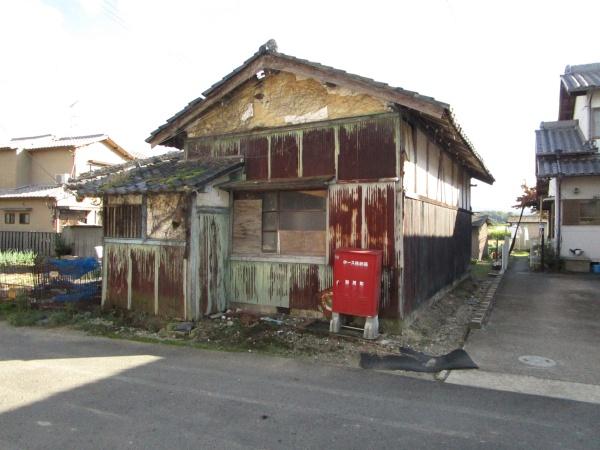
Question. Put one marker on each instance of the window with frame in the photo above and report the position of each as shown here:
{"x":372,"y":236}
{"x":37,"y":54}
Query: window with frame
{"x":595,"y":123}
{"x":122,"y":221}
{"x":581,"y":212}
{"x":280,"y":223}
{"x":9,"y":218}
{"x":24,"y":218}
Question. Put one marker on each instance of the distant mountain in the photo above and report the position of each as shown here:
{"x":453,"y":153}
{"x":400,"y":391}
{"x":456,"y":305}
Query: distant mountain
{"x":496,"y":216}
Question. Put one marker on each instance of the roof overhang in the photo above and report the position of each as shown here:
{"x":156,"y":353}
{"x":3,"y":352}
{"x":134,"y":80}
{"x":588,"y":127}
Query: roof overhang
{"x":170,"y":133}
{"x":277,"y":184}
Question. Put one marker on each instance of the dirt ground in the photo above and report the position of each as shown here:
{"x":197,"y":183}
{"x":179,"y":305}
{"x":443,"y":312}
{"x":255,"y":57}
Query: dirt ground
{"x":437,"y":329}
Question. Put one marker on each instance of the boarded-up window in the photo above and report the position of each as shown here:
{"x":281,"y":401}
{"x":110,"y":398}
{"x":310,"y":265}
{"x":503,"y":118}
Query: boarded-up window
{"x":581,"y":212}
{"x":247,"y":224}
{"x":123,"y":221}
{"x":280,"y":222}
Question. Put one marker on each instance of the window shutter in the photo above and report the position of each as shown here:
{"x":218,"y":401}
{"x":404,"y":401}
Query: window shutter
{"x":570,"y":212}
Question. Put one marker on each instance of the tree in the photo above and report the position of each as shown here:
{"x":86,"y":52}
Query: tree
{"x":528,"y":199}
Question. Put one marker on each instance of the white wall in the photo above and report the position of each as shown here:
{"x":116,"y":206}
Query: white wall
{"x":432,"y":173}
{"x":97,"y":152}
{"x":582,"y":111}
{"x":585,"y":237}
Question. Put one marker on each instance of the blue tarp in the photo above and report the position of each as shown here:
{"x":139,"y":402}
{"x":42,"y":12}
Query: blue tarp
{"x":71,"y":270}
{"x":75,"y":268}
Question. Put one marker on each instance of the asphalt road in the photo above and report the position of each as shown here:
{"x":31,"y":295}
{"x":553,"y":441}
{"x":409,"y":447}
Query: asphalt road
{"x":66,"y":390}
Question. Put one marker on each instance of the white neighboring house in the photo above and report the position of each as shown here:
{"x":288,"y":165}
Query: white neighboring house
{"x":528,"y":232}
{"x":568,"y":168}
{"x":33,"y":174}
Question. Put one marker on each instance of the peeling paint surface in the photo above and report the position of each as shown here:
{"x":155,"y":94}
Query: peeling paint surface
{"x":367,"y":150}
{"x":171,"y":300}
{"x":256,"y":155}
{"x":142,"y":278}
{"x":284,"y":155}
{"x":117,"y":288}
{"x":166,"y":216}
{"x":318,"y":152}
{"x":345,"y":217}
{"x":287,"y":285}
{"x":212,"y":262}
{"x":281,"y":95}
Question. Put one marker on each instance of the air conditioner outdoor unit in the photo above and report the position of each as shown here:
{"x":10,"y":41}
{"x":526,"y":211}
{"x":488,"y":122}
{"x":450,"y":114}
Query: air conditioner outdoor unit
{"x":62,"y":178}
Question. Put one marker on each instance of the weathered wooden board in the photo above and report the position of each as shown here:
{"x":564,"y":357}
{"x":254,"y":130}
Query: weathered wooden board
{"x":247,"y":226}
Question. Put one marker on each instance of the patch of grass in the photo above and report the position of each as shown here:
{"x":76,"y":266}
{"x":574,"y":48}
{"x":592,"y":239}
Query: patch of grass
{"x":480,"y":269}
{"x":519,"y":253}
{"x":25,"y":318}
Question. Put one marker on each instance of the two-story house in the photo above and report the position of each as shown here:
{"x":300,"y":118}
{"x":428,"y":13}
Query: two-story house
{"x":568,"y":169}
{"x":33,"y":171}
{"x":285,"y":161}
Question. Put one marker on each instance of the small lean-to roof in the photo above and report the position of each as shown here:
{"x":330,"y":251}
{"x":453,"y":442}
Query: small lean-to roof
{"x":581,"y":78}
{"x":478,"y":220}
{"x":49,"y":141}
{"x":165,"y":173}
{"x":435,"y":114}
{"x":563,"y":136}
{"x":570,"y":166}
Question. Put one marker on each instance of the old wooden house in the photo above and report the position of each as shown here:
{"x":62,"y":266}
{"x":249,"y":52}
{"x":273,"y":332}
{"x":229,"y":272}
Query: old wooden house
{"x":285,"y":160}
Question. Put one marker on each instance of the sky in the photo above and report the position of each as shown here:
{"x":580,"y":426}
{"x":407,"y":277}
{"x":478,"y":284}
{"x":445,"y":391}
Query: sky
{"x":123,"y":67}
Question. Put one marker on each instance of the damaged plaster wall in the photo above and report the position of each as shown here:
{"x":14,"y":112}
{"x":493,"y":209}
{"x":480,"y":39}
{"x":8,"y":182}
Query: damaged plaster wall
{"x":283,"y":99}
{"x":166,"y":216}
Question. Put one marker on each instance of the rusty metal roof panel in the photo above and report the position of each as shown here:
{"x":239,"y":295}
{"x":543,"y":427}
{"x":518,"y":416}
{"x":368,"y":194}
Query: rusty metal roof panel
{"x":577,"y":165}
{"x":563,"y":136}
{"x":166,"y":173}
{"x":581,"y":78}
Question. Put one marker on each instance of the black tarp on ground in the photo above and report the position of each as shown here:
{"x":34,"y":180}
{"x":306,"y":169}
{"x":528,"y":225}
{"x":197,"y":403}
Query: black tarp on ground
{"x":418,"y":362}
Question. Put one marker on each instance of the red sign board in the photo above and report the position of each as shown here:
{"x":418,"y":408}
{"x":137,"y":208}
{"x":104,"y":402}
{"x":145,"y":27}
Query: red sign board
{"x":356,"y":282}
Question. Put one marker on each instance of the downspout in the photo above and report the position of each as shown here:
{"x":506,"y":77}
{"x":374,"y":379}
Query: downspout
{"x":558,"y":205}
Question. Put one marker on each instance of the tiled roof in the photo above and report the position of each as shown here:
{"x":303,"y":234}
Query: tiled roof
{"x":563,"y":137}
{"x":34,"y":191}
{"x":51,"y":141}
{"x":166,"y":173}
{"x":46,"y":141}
{"x":170,"y":132}
{"x":581,"y":78}
{"x":576,"y":165}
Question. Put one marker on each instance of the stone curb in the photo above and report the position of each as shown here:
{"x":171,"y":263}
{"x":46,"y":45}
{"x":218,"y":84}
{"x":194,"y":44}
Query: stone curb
{"x":484,"y":308}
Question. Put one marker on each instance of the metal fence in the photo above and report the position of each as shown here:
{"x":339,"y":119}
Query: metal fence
{"x":40,"y":242}
{"x":53,"y":280}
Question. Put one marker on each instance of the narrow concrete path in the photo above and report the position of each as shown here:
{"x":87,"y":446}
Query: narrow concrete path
{"x":553,"y":316}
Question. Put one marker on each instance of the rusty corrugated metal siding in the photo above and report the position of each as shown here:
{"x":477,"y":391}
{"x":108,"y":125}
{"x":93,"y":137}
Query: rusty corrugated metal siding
{"x":142,"y":279}
{"x":362,"y":215}
{"x":256,"y":154}
{"x":436,"y":249}
{"x":318,"y":152}
{"x":143,"y":259}
{"x":367,"y":150}
{"x":117,"y":266}
{"x":171,"y":300}
{"x":284,"y":155}
{"x":345,"y":217}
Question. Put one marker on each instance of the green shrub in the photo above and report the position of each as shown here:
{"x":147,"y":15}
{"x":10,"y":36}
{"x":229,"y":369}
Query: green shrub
{"x":61,"y":247}
{"x":17,"y":258}
{"x":25,"y":318}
